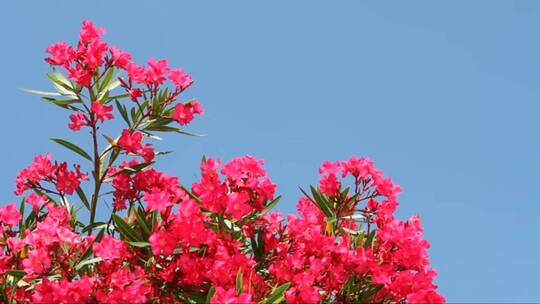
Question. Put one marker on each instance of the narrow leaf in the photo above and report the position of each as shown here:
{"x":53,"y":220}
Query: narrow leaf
{"x":43,"y":93}
{"x":83,"y":197}
{"x":72,"y":147}
{"x":277,"y":294}
{"x":87,"y":262}
{"x":125,"y":229}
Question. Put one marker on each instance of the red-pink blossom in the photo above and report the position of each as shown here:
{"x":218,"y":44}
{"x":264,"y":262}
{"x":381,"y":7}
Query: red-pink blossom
{"x":184,"y":113}
{"x":80,"y":75}
{"x":155,"y":73}
{"x":61,"y":54}
{"x":102,"y":112}
{"x":229,"y":296}
{"x":109,"y":249}
{"x":89,"y":32}
{"x":120,"y":57}
{"x":162,"y":242}
{"x":134,"y":94}
{"x":9,"y":215}
{"x":36,"y":201}
{"x":180,"y":79}
{"x":38,"y":261}
{"x":130,"y":141}
{"x":78,"y":120}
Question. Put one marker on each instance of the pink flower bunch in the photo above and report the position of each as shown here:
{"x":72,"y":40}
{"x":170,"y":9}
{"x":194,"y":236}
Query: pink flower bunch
{"x":216,"y":241}
{"x":42,"y":171}
{"x":93,"y":60}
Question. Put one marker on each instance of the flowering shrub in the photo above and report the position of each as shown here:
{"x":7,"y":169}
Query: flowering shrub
{"x":217,"y":241}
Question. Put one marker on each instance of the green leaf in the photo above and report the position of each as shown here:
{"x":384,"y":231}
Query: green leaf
{"x":42,"y":93}
{"x":21,"y":211}
{"x":72,"y":147}
{"x":104,"y":94}
{"x":120,"y":96}
{"x":163,"y":128}
{"x":239,"y":282}
{"x":94,"y":225}
{"x":324,"y":204}
{"x":125,"y":229}
{"x":87,"y":262}
{"x":315,"y":202}
{"x":191,"y":194}
{"x":210,"y":294}
{"x":369,"y":239}
{"x":62,"y":85}
{"x":123,"y":112}
{"x":134,"y":169}
{"x":106,"y":79}
{"x":83,"y":197}
{"x":66,"y":104}
{"x":139,"y":244}
{"x":271,"y":205}
{"x":141,"y":220}
{"x":277,"y":294}
{"x":16,"y":273}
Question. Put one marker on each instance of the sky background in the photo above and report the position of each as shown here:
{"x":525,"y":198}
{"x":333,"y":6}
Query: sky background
{"x":443,"y":96}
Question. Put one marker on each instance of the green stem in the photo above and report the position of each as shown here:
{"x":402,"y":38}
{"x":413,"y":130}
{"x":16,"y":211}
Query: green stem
{"x":97,"y":165}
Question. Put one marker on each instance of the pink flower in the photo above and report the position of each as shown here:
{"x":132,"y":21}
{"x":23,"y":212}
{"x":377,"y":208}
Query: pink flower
{"x":184,"y":113}
{"x":358,"y":167}
{"x":329,"y":184}
{"x":157,"y":200}
{"x":120,"y":57}
{"x":77,"y":121}
{"x":135,"y":72}
{"x":36,"y":201}
{"x":134,"y":94}
{"x":155,"y":72}
{"x":15,"y":244}
{"x":147,"y":153}
{"x":80,"y":75}
{"x":34,"y":173}
{"x":425,"y":296}
{"x":61,"y":54}
{"x":68,"y":181}
{"x":9,"y":215}
{"x":329,"y":168}
{"x":90,"y":33}
{"x":238,"y":206}
{"x":93,"y":55}
{"x":162,"y":242}
{"x":180,"y":79}
{"x":38,"y":261}
{"x":130,"y":141}
{"x":109,"y":249}
{"x":228,"y":296}
{"x":102,"y":112}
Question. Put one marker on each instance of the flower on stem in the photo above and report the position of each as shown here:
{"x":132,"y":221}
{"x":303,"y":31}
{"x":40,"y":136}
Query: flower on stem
{"x":120,"y":58}
{"x":9,"y":215}
{"x":179,"y":78}
{"x":78,"y":120}
{"x":89,"y":32}
{"x":130,"y":141}
{"x":184,"y":113}
{"x":61,"y":54}
{"x":80,"y":75}
{"x":102,"y":112}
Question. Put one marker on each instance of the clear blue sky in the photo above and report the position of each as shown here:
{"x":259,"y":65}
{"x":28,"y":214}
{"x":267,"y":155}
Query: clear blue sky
{"x":443,"y":96}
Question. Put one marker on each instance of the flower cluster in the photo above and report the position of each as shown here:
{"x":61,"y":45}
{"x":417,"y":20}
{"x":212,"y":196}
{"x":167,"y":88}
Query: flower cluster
{"x":91,"y":64}
{"x":216,"y":241}
{"x":43,"y":171}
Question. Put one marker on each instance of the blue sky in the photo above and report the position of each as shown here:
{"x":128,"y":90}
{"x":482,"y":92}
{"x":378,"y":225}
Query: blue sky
{"x":443,"y":96}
